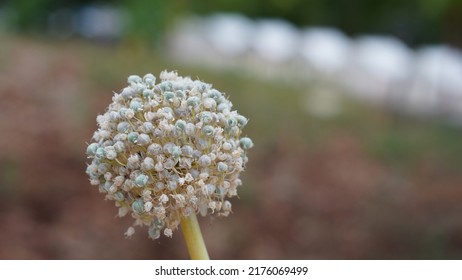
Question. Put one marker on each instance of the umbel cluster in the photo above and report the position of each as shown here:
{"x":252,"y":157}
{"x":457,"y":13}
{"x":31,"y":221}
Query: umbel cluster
{"x":167,"y":150}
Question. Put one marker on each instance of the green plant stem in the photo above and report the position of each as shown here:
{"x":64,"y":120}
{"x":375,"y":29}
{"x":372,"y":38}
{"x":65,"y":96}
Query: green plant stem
{"x":193,"y":237}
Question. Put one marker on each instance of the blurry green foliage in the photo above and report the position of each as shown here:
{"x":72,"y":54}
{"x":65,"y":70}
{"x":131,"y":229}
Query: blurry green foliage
{"x":148,"y":19}
{"x":414,"y":21}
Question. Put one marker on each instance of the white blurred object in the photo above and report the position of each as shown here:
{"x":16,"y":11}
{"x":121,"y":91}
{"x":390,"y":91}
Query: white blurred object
{"x":276,"y":40}
{"x":386,"y":58}
{"x":438,"y":74}
{"x":441,"y":68}
{"x":325,"y":49}
{"x":378,"y":69}
{"x":101,"y":22}
{"x":229,"y":34}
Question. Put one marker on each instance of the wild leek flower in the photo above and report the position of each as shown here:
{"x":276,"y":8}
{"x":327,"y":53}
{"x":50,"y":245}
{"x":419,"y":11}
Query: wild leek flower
{"x":165,"y":152}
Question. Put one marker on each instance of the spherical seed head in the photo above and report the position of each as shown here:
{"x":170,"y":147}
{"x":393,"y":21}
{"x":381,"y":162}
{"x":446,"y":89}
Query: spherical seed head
{"x":168,"y":150}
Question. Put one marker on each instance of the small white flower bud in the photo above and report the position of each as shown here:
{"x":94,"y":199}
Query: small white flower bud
{"x":136,"y":105}
{"x":163,"y":198}
{"x":148,"y":206}
{"x":147,"y":164}
{"x":154,"y":232}
{"x":129,"y":114}
{"x":119,"y":196}
{"x":119,"y":180}
{"x":194,"y":173}
{"x":147,"y":127}
{"x":168,"y":96}
{"x":123,"y":212}
{"x":172,"y":185}
{"x":100,"y":153}
{"x":159,"y":167}
{"x":208,"y":130}
{"x":110,"y":152}
{"x":190,"y":129}
{"x":123,"y":127}
{"x":95,"y":182}
{"x":169,"y":164}
{"x":246,"y":143}
{"x":143,"y":139}
{"x":168,"y":147}
{"x":160,"y":185}
{"x":226,"y":205}
{"x":175,"y":151}
{"x":128,"y":185}
{"x":103,"y":168}
{"x":187,"y":150}
{"x":188,"y":177}
{"x":168,"y":232}
{"x":230,"y":122}
{"x":138,"y":206}
{"x":206,"y":117}
{"x":154,"y":149}
{"x":215,"y":94}
{"x":91,"y":149}
{"x":204,"y":161}
{"x":107,"y":176}
{"x":223,"y":106}
{"x":133,"y":79}
{"x":241,"y":120}
{"x":148,"y":93}
{"x":204,"y":176}
{"x":133,"y":161}
{"x":202,"y":144}
{"x":130,"y":231}
{"x":180,"y":124}
{"x":120,"y":137}
{"x":119,"y":146}
{"x":193,"y":101}
{"x":141,"y":180}
{"x":209,"y":103}
{"x":128,"y":93}
{"x":209,"y":189}
{"x":133,"y":137}
{"x":113,"y":116}
{"x":227,"y":146}
{"x":149,"y":79}
{"x":222,"y":167}
{"x":150,"y":116}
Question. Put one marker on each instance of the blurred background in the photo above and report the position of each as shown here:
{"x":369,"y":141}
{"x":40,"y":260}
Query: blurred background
{"x":355,"y":110}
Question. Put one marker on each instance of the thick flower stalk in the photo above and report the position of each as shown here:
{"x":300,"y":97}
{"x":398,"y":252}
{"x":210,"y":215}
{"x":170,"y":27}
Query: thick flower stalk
{"x":164,"y":152}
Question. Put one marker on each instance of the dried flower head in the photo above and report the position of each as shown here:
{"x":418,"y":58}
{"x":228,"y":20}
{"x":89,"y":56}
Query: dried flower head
{"x":168,"y":150}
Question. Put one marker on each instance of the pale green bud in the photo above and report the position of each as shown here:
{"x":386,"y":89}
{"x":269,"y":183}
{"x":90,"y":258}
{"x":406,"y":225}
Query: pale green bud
{"x":204,"y":161}
{"x":180,"y":124}
{"x":135,"y":105}
{"x":92,"y":148}
{"x":208,"y":130}
{"x":138,"y":206}
{"x":246,"y":143}
{"x":133,"y":137}
{"x":141,"y":180}
{"x":123,"y":127}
